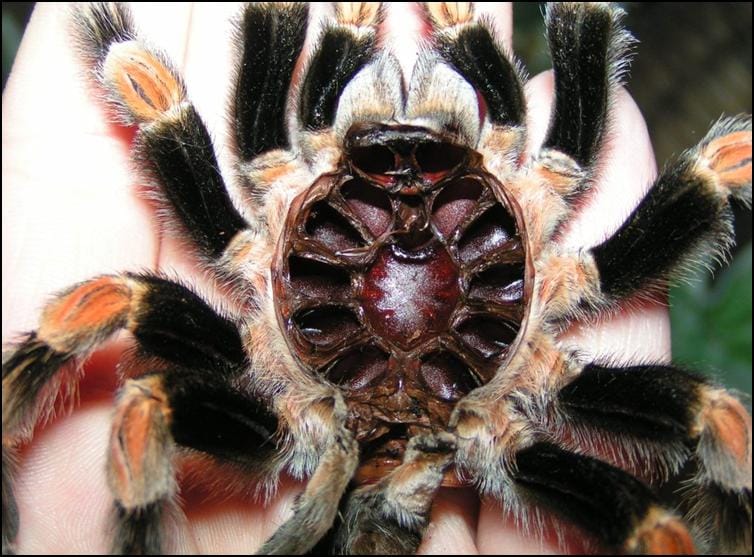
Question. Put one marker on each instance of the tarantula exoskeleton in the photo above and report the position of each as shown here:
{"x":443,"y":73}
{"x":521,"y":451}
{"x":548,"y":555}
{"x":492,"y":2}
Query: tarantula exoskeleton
{"x":399,"y":293}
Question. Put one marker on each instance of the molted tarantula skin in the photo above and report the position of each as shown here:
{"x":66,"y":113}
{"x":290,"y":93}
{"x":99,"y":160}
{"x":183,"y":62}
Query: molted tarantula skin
{"x":400,"y":292}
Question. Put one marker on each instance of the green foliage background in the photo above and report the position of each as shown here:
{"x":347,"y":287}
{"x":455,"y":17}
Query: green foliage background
{"x":712,"y":323}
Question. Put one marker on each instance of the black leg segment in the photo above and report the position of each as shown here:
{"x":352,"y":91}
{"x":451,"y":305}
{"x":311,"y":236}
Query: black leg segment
{"x":145,"y":90}
{"x":617,"y":509}
{"x":679,"y":220}
{"x":210,"y":416}
{"x":702,"y":432}
{"x":271,"y":36}
{"x":654,"y":402}
{"x":183,"y":159}
{"x":686,"y":217}
{"x":138,"y":531}
{"x":10,"y":509}
{"x":589,"y":53}
{"x":158,"y":414}
{"x":175,"y":324}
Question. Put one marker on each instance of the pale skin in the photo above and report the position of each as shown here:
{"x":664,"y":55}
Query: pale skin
{"x":71,"y":210}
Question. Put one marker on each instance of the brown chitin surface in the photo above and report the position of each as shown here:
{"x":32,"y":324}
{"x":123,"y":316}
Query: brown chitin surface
{"x":400,"y":278}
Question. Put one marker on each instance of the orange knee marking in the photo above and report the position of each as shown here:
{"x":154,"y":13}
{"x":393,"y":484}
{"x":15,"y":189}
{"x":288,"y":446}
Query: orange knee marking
{"x":138,"y":438}
{"x":90,"y":306}
{"x":447,"y":14}
{"x":660,"y":533}
{"x":731,"y":424}
{"x":360,"y":14}
{"x":730,"y":158}
{"x":144,"y":83}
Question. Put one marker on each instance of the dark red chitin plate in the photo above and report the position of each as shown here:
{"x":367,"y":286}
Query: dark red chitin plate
{"x":403,"y":279}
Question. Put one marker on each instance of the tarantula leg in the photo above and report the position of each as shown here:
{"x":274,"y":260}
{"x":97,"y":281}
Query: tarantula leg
{"x":167,"y":319}
{"x":441,"y":100}
{"x":146,"y":91}
{"x":619,"y":510}
{"x":685,"y":217}
{"x":158,"y":414}
{"x":669,"y":410}
{"x":389,"y":518}
{"x":589,"y":50}
{"x":272,"y":37}
{"x":10,"y":509}
{"x":316,"y":508}
{"x":140,"y":470}
{"x":346,"y":46}
{"x":467,"y":43}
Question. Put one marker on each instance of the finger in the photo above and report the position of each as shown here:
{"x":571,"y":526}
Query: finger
{"x":237,"y":524}
{"x":62,"y":496}
{"x":452,"y":527}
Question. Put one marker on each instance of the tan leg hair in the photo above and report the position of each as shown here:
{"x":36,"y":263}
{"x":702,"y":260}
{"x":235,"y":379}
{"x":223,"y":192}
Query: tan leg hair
{"x":723,"y":428}
{"x":143,"y":84}
{"x":389,"y":518}
{"x":84,"y":315}
{"x":317,"y":506}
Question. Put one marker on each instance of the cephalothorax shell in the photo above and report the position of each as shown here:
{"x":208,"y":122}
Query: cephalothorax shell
{"x":402,"y":279}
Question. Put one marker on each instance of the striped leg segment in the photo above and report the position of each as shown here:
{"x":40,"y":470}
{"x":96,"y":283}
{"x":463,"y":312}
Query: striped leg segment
{"x":672,"y":411}
{"x":172,"y":140}
{"x":467,"y":44}
{"x":155,"y":416}
{"x":685,"y":217}
{"x":347,"y":44}
{"x":589,"y":50}
{"x":272,"y":37}
{"x":617,"y":509}
{"x":168,"y":320}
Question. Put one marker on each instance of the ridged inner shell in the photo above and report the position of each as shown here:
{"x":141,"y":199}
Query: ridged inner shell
{"x":402,"y":279}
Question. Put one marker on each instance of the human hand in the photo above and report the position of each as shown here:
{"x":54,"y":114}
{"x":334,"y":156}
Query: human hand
{"x":71,"y":211}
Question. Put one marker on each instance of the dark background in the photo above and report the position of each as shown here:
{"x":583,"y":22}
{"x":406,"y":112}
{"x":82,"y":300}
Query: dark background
{"x":692,"y":64}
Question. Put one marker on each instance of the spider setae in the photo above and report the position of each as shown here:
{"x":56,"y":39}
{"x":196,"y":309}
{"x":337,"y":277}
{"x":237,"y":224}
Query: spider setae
{"x":400,"y":291}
